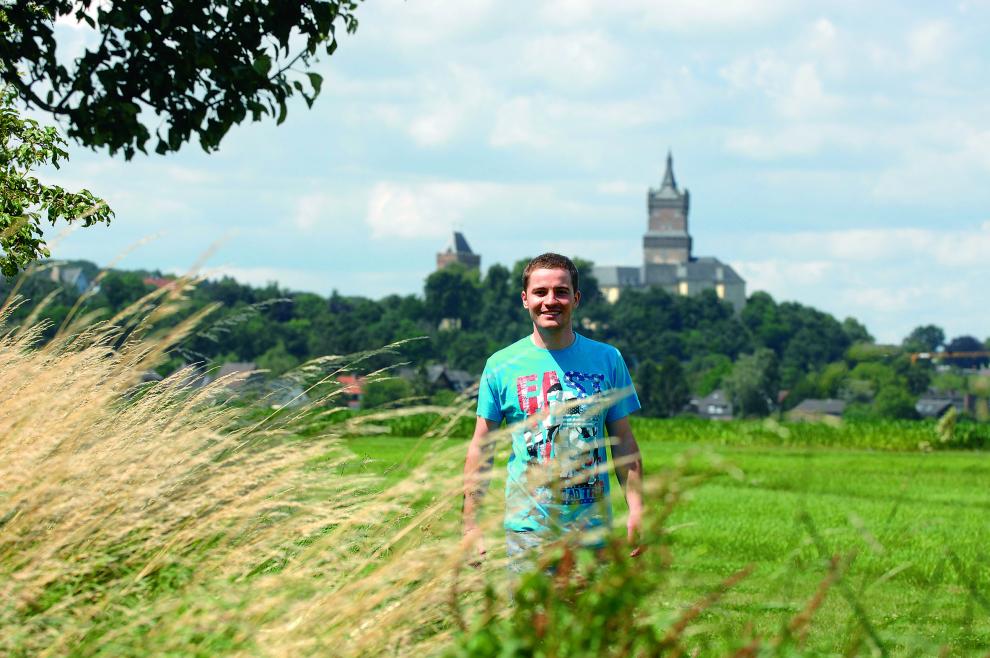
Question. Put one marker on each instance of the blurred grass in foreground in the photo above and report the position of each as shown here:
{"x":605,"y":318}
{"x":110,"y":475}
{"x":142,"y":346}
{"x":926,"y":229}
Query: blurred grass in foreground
{"x":160,"y":518}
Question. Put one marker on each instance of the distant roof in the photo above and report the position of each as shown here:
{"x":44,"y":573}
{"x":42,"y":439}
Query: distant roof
{"x":611,"y":276}
{"x":353,"y":384}
{"x":668,"y":186}
{"x":459,"y":244}
{"x":235,"y":367}
{"x":935,"y":403}
{"x":708,"y":268}
{"x":158,"y":281}
{"x":705,"y":269}
{"x":932,"y":407}
{"x":716,"y":397}
{"x":828,"y":406}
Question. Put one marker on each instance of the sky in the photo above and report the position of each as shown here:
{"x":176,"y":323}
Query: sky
{"x":837,"y":153}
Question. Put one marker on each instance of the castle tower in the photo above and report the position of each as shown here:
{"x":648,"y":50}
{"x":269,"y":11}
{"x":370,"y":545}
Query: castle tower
{"x":458,"y":251}
{"x":667,"y":240}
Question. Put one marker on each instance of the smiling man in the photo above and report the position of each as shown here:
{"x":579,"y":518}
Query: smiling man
{"x":559,"y":392}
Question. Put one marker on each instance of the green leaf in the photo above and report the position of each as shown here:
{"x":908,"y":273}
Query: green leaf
{"x":263,"y":64}
{"x":316,"y":80}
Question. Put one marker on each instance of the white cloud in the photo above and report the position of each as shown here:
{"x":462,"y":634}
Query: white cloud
{"x":545,"y":122}
{"x":619,"y":188}
{"x":824,"y":34}
{"x":706,"y":14}
{"x":435,"y":127}
{"x":427,"y":210}
{"x":449,"y":103}
{"x":773,"y":273}
{"x":432,"y":109}
{"x":518,"y":123}
{"x":571,"y":60}
{"x":311,"y":209}
{"x":773,"y":144}
{"x":929,"y":42}
{"x":892,"y":279}
{"x":795,"y":89}
{"x":667,"y":15}
{"x":957,"y":248}
{"x":427,"y":23}
{"x":569,"y":12}
{"x":805,"y":94}
{"x":190,"y":175}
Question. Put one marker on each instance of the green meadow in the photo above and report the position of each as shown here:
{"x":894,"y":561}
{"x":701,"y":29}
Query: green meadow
{"x":171,"y":521}
{"x":910,"y":528}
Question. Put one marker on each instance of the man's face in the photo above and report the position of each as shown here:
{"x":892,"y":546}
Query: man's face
{"x":550,"y":298}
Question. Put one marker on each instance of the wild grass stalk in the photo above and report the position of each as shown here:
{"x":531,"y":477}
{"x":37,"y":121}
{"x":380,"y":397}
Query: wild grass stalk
{"x":147,"y":518}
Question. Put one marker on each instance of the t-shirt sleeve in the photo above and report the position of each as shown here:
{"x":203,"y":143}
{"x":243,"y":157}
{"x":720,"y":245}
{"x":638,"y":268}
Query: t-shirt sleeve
{"x":489,"y":400}
{"x":621,"y":381}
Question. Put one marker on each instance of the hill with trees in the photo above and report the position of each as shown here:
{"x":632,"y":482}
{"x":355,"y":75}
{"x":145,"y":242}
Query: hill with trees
{"x":770,"y":356}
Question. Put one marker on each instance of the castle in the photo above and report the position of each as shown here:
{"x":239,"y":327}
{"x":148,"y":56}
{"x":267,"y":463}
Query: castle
{"x":458,"y":251}
{"x":667,"y":259}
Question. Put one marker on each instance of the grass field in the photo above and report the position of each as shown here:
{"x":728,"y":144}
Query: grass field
{"x":913,"y":525}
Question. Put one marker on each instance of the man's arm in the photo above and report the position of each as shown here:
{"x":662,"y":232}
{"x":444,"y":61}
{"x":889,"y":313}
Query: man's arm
{"x":628,"y":466}
{"x":477,"y":469}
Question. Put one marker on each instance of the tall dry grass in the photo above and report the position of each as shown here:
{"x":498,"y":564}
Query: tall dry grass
{"x":141,"y":519}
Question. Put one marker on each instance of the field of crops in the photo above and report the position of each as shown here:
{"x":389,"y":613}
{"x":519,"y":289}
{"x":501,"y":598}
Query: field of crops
{"x":887,"y":435}
{"x":913,"y":528}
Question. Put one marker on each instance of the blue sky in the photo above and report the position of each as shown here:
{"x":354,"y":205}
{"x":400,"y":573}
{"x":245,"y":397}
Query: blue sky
{"x":838,"y":154}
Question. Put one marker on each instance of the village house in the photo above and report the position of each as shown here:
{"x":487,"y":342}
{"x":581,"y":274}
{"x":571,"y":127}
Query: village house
{"x":714,"y":406}
{"x":813,"y":409}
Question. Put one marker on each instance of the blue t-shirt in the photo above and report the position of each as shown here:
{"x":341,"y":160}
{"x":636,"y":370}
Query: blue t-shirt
{"x":557,"y":477}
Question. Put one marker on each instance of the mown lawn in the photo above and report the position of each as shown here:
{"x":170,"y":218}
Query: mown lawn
{"x":913,"y":528}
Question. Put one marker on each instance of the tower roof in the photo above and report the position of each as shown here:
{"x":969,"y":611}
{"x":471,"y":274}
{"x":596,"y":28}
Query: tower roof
{"x":668,"y":186}
{"x":668,"y":175}
{"x":458,"y":244}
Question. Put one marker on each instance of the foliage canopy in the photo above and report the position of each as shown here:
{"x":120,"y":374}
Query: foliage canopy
{"x":198,"y":67}
{"x":26,"y":145}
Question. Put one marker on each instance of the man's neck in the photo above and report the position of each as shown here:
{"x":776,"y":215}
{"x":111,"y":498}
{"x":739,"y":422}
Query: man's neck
{"x":553,"y":340}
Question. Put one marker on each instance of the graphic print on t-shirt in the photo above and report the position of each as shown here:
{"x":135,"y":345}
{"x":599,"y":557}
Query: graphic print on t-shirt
{"x":566,"y":439}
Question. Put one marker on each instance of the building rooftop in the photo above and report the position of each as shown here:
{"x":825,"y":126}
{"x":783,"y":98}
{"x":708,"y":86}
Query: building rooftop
{"x":458,"y":244}
{"x":829,"y":406}
{"x":668,"y":186}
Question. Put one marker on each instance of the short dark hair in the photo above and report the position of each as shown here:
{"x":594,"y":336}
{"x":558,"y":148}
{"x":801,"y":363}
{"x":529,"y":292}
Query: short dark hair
{"x":551,"y":261}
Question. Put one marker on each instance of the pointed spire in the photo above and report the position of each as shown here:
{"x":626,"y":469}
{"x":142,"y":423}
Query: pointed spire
{"x":668,"y":175}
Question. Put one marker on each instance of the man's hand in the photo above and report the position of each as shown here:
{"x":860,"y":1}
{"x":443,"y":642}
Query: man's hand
{"x":474,"y":546}
{"x":477,"y":466}
{"x":628,"y":466}
{"x":634,"y":531}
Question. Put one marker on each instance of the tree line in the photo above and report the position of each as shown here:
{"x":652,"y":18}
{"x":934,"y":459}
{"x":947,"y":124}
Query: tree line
{"x":769,"y":356}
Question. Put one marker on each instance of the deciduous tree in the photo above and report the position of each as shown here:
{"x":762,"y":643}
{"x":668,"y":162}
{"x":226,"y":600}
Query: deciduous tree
{"x":25,"y":146}
{"x":194,"y":69}
{"x":926,"y":338}
{"x":967,"y":344}
{"x":754,"y":382}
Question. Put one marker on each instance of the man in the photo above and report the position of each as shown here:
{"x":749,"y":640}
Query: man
{"x":559,"y":392}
